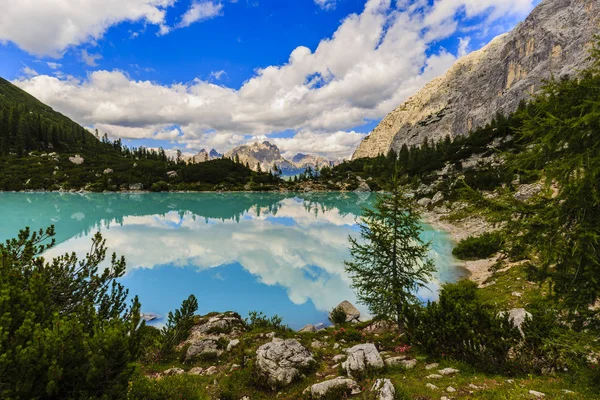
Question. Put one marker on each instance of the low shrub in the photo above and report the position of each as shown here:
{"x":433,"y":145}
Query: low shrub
{"x":258,"y":320}
{"x":461,"y":326}
{"x":479,"y":247}
{"x":337,"y":316}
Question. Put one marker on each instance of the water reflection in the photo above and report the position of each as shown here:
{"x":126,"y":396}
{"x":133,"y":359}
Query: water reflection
{"x":279,"y":253}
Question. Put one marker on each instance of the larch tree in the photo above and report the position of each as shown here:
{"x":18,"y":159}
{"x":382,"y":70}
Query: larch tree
{"x":389,"y":262}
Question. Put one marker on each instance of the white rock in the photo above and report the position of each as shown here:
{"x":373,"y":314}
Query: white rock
{"x":108,"y":171}
{"x":424,"y":202}
{"x":384,"y":389}
{"x":432,"y":366}
{"x":77,"y":160}
{"x":280,"y":362}
{"x":536,"y":394}
{"x":450,"y":389}
{"x":211,"y":371}
{"x":196,"y":371}
{"x":434,"y":376}
{"x":173,"y":371}
{"x":431,"y":386}
{"x":401,"y":361}
{"x":362,"y":356}
{"x":319,"y":390}
{"x":232,"y":344}
{"x":338,"y":358}
{"x":448,"y":371}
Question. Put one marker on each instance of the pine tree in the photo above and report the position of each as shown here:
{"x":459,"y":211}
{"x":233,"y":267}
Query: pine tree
{"x":390,"y":263}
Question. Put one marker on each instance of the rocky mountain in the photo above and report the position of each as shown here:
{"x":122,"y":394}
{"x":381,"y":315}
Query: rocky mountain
{"x":304,"y":161}
{"x":267,"y":155}
{"x":553,"y":41}
{"x":264,"y":154}
{"x":203,"y":156}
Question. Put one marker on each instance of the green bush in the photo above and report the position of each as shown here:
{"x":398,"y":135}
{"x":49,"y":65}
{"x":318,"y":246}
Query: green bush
{"x":461,"y":326}
{"x":66,"y":330}
{"x":479,"y":247}
{"x":258,"y":320}
{"x":337,"y":316}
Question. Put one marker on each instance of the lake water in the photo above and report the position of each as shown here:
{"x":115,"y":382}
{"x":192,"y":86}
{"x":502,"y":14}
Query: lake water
{"x":278,"y":253}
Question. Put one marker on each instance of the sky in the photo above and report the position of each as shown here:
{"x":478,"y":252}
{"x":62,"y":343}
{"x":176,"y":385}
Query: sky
{"x":311,"y":76}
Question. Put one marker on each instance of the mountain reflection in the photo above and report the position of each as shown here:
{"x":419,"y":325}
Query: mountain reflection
{"x":254,"y":247}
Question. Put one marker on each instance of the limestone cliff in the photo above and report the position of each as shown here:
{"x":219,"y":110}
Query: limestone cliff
{"x":552,"y":41}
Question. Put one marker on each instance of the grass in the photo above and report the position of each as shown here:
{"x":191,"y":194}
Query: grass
{"x":411,"y":384}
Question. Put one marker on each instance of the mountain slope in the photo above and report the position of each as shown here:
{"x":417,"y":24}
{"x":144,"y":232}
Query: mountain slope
{"x":552,"y":41}
{"x":27,"y":124}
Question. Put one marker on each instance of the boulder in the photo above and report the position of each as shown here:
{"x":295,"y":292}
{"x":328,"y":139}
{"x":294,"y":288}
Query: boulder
{"x":424,"y":202}
{"x":432,"y":366}
{"x":310,"y":328}
{"x":204,"y":347}
{"x":282,"y":362}
{"x":211,"y":371}
{"x":108,"y":171}
{"x":320,"y":390}
{"x":361,"y":357}
{"x":173,"y":371}
{"x":232,"y":344}
{"x":352,"y":313}
{"x":384,"y":389}
{"x":196,"y":371}
{"x":77,"y":159}
{"x":448,"y":371}
{"x":172,"y":174}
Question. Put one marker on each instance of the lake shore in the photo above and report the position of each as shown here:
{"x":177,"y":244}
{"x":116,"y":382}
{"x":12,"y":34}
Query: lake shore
{"x":479,"y":270}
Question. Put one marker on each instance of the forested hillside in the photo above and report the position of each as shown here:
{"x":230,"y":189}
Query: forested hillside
{"x":41,"y":149}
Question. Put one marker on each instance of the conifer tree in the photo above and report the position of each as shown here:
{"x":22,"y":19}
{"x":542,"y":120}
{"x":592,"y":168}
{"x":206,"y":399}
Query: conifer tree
{"x":390,"y":262}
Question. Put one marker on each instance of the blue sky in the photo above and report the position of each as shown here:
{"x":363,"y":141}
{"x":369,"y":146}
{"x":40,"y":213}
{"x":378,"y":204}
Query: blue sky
{"x":311,"y":76}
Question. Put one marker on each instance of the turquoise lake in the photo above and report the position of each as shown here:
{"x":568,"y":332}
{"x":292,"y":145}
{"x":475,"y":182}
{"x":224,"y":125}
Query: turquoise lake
{"x":278,"y":253}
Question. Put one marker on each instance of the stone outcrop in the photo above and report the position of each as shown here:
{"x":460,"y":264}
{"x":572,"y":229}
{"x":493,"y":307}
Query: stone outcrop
{"x":280,"y":362}
{"x":362,"y":357}
{"x":212,"y":335}
{"x":552,"y":41}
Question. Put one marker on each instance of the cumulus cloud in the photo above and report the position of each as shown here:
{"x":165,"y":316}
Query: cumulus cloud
{"x":49,"y":27}
{"x":200,"y":11}
{"x":370,"y":65}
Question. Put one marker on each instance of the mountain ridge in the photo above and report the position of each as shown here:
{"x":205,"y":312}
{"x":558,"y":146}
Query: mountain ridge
{"x":552,"y":41}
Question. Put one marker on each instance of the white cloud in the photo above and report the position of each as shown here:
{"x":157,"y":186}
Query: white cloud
{"x":217,"y":75}
{"x":49,"y":27}
{"x":90,"y":59}
{"x":326,"y":4}
{"x":463,"y":46}
{"x":372,"y":63}
{"x":200,"y":11}
{"x":29,"y":71}
{"x":53,"y":65}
